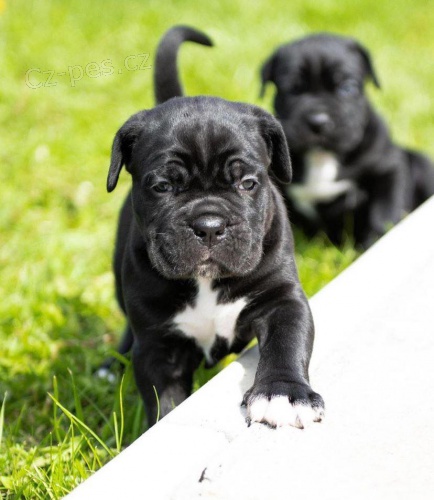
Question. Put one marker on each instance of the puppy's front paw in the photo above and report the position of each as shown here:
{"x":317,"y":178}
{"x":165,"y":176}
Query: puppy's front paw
{"x":279,"y":404}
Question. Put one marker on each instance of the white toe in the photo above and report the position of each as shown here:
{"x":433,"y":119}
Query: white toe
{"x":306,"y":414}
{"x":257,"y":409}
{"x":279,"y":412}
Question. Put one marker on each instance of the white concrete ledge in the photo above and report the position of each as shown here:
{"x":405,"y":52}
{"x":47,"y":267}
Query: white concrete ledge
{"x":374,"y":365}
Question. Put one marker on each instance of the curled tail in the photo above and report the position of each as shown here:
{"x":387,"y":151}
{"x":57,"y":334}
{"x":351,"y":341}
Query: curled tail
{"x":166,"y":80}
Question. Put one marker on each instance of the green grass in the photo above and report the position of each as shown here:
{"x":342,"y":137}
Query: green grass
{"x":58,"y":316}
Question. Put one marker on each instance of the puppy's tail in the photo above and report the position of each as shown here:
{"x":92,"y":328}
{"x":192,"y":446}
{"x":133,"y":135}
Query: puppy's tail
{"x":166,"y":79}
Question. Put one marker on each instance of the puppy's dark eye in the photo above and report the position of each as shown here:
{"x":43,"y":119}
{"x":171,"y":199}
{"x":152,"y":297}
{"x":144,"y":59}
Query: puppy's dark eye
{"x":348,"y":88}
{"x":163,"y":187}
{"x":247,"y":185}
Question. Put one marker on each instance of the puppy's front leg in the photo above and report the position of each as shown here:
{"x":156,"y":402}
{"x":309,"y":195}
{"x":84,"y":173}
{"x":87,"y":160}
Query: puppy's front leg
{"x":163,"y":369}
{"x":281,"y":394}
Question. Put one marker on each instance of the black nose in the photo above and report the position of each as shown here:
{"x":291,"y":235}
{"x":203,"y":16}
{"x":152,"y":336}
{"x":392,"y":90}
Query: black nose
{"x":318,"y":122}
{"x":209,"y":228}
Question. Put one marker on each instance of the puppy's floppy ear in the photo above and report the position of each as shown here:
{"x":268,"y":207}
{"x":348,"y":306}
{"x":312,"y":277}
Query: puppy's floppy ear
{"x":267,"y":74}
{"x":122,"y":147}
{"x":366,"y":57}
{"x":278,"y":150}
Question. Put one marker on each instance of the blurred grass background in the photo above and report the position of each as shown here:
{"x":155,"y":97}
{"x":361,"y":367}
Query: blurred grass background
{"x":58,"y":316}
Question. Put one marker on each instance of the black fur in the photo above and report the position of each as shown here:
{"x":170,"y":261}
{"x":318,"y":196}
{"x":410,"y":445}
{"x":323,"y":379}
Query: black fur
{"x":324,"y":76}
{"x":190,"y":158}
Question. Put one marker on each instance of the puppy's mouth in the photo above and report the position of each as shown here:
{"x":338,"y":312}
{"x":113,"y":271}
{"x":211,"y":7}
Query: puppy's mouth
{"x":304,"y":139}
{"x":339,"y":132}
{"x":205,"y":258}
{"x":208,"y":269}
{"x":178,"y":255}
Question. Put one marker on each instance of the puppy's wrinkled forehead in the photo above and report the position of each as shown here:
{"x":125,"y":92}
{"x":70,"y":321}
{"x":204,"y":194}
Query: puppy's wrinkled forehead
{"x":203,"y":133}
{"x":206,"y":142}
{"x":321,"y":59}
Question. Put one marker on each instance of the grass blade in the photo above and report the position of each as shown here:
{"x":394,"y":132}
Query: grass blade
{"x":2,"y":418}
{"x":82,"y":426}
{"x":77,"y":400}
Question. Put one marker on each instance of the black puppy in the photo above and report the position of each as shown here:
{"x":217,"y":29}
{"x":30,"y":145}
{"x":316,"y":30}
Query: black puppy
{"x":347,"y":171}
{"x":204,"y":254}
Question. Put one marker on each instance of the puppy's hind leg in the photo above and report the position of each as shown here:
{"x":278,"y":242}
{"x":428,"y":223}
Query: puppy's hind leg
{"x":106,"y":370}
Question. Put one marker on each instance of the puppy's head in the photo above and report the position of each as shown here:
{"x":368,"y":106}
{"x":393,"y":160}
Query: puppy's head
{"x":201,"y":188}
{"x":320,"y":97}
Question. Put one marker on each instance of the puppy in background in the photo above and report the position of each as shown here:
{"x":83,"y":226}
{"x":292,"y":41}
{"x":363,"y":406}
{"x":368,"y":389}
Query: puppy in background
{"x":348,"y":175}
{"x":204,"y":252}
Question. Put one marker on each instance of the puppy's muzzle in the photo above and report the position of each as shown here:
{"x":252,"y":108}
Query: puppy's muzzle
{"x":209,"y":229}
{"x":318,"y":123}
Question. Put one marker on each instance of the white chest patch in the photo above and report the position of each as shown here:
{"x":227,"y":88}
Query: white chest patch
{"x":319,"y":184}
{"x":206,"y":318}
